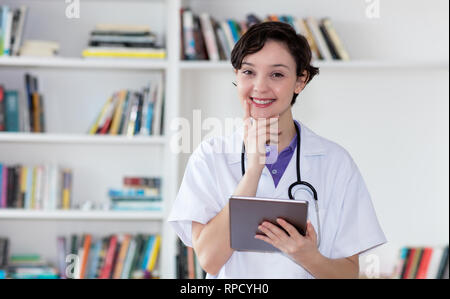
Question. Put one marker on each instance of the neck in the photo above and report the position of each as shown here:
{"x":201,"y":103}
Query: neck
{"x":287,"y":127}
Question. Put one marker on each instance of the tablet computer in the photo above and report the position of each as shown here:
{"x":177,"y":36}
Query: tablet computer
{"x":247,"y":213}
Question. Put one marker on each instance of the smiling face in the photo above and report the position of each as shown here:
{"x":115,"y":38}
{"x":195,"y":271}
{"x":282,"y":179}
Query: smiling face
{"x":268,"y":78}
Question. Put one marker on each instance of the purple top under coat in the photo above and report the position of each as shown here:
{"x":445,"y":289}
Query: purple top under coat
{"x":277,"y":168}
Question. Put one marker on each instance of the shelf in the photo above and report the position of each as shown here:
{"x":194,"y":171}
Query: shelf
{"x":90,"y":63}
{"x":80,"y":139}
{"x":147,"y":64}
{"x":80,"y":215}
{"x":355,"y":64}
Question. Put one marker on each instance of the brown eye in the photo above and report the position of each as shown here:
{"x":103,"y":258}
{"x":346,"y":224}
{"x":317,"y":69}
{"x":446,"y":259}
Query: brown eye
{"x":277,"y":75}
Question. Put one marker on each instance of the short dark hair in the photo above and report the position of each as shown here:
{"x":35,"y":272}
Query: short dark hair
{"x":257,"y":35}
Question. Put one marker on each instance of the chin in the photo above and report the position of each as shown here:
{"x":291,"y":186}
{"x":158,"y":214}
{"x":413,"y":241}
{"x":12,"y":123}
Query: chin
{"x":263,"y":113}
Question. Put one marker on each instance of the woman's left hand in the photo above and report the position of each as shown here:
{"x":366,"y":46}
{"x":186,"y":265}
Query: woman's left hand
{"x":292,"y":243}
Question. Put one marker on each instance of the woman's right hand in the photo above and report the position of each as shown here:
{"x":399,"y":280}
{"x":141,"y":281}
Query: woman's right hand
{"x":256,"y":135}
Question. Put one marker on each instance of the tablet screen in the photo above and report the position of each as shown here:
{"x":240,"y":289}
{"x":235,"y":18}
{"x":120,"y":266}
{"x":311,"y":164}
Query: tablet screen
{"x":247,"y":213}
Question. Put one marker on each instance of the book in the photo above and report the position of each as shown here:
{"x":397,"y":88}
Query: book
{"x":154,"y":254}
{"x":188,"y":35}
{"x":101,"y":118}
{"x":224,"y":47}
{"x":39,"y":48}
{"x":2,"y":108}
{"x":209,"y":37}
{"x":415,"y":262}
{"x":129,"y":258}
{"x":201,"y":52}
{"x":85,"y":256}
{"x":443,"y":265}
{"x":7,"y":25}
{"x":122,"y":95}
{"x":109,"y":258}
{"x":124,"y":52}
{"x":228,"y":35}
{"x":125,"y":242}
{"x":306,"y":32}
{"x":3,"y":184}
{"x":190,"y":263}
{"x":158,"y":104}
{"x":121,"y":28}
{"x":424,"y":263}
{"x":11,"y":101}
{"x":18,"y":34}
{"x":339,"y":46}
{"x":329,"y":41}
{"x":319,"y":39}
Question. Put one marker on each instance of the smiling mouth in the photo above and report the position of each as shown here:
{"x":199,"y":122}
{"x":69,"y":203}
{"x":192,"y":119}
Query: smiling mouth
{"x":262,"y":101}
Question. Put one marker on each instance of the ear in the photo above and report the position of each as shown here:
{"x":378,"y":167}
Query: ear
{"x":301,"y":82}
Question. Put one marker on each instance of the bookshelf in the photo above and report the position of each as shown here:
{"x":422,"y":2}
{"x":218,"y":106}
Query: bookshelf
{"x":190,"y":85}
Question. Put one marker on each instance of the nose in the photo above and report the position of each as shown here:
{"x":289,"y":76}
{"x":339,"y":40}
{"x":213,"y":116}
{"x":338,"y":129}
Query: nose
{"x":260,"y":84}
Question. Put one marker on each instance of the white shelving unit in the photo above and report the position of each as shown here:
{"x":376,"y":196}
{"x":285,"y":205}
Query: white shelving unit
{"x":196,"y":85}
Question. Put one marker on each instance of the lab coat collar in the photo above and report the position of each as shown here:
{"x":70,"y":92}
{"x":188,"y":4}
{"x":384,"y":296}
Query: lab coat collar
{"x":311,"y":144}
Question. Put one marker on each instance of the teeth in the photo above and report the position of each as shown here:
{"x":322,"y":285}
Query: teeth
{"x":262,"y":102}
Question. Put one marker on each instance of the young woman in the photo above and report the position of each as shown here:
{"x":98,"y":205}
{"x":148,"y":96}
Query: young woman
{"x":272,"y":66}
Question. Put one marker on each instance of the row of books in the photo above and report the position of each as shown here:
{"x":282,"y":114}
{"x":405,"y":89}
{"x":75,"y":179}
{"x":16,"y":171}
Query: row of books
{"x":20,"y":113}
{"x":205,"y":38}
{"x":12,"y":22}
{"x":41,"y":187}
{"x":422,"y":262}
{"x":137,"y":193}
{"x":187,"y":263}
{"x":114,"y":256}
{"x":131,"y":113}
{"x":123,"y":41}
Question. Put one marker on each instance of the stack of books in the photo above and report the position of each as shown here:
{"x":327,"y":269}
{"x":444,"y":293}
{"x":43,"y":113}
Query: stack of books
{"x":132,"y":113}
{"x":22,"y":113}
{"x":30,"y":266}
{"x":137,"y":194}
{"x":42,"y":187}
{"x":121,"y":41}
{"x":113,"y":256}
{"x":205,"y":38}
{"x":12,"y":22}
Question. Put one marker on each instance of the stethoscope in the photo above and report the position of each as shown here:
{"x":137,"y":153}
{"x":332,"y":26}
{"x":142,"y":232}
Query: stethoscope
{"x":305,"y":187}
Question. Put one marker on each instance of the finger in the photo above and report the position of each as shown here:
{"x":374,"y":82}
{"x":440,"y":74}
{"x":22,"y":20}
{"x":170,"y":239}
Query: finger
{"x":269,"y":233}
{"x":310,"y":231}
{"x":278,"y":232}
{"x":247,"y":109}
{"x":247,"y":126}
{"x":265,"y":239}
{"x":292,"y":231}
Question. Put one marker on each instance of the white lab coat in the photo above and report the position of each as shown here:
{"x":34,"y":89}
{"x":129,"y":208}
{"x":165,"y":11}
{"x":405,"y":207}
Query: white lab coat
{"x":348,"y":221}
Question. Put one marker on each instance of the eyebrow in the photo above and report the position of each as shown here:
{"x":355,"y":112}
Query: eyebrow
{"x":274,"y":65}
